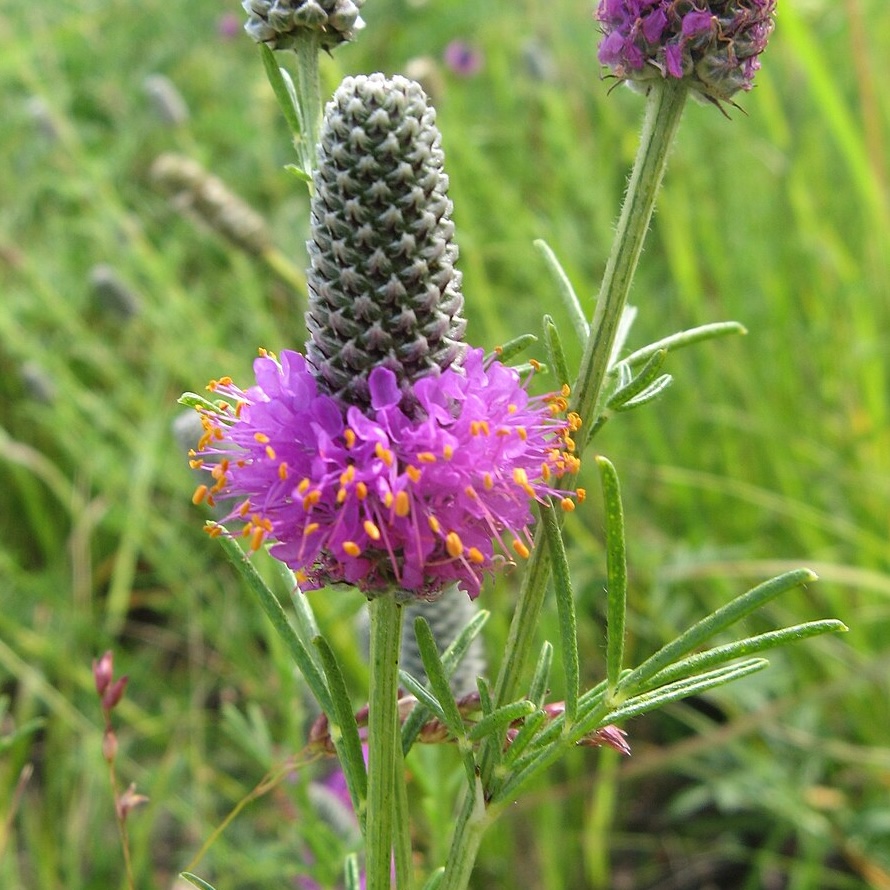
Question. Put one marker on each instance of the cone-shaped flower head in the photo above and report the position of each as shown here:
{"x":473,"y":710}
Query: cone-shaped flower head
{"x":281,"y":23}
{"x":383,"y":289}
{"x":390,"y":456}
{"x":714,"y":46}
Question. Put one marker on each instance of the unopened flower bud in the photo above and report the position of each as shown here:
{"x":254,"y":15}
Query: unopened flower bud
{"x":114,"y":693}
{"x":103,"y":671}
{"x":281,"y":23}
{"x":109,"y":745}
{"x":714,"y":46}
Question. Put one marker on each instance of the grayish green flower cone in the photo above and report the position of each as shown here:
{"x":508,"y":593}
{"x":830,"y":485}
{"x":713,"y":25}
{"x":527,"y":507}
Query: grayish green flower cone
{"x":280,"y":24}
{"x":383,"y":288}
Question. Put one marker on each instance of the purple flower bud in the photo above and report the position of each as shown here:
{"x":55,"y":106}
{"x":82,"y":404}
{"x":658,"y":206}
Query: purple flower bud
{"x":114,"y":693}
{"x":714,"y":46}
{"x":463,"y":58}
{"x":103,"y":671}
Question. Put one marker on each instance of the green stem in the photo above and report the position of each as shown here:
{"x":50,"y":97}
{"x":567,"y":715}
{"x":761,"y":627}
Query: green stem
{"x":664,"y":108}
{"x":384,"y":740}
{"x":472,"y":822}
{"x":309,"y":105}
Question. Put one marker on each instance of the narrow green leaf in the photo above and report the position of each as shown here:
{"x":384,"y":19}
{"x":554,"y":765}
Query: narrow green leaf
{"x":500,"y":719}
{"x":451,"y":658}
{"x":344,"y":729}
{"x":537,"y":690}
{"x":651,"y":392}
{"x":685,"y":338}
{"x":565,"y":607}
{"x":193,"y":400}
{"x":715,"y":623}
{"x":283,"y":89}
{"x":435,"y":671}
{"x":438,"y":679}
{"x":695,"y":664}
{"x":275,"y":613}
{"x":523,"y":739}
{"x":512,"y":348}
{"x":631,"y":385}
{"x":351,"y":875}
{"x":195,"y":881}
{"x":435,"y":879}
{"x":555,"y":354}
{"x":299,"y":172}
{"x":616,"y":572}
{"x":423,"y":695}
{"x":648,"y":701}
{"x":566,"y":292}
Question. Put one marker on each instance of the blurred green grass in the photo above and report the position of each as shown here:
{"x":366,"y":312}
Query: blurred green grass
{"x":769,"y":451}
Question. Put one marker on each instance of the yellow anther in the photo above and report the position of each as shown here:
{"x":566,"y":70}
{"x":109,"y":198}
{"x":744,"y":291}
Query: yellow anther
{"x":311,"y":500}
{"x":536,"y":365}
{"x":520,"y":477}
{"x":244,"y":509}
{"x":282,"y":471}
{"x":426,"y":457}
{"x":349,"y":437}
{"x":200,"y":494}
{"x":447,"y":452}
{"x":511,"y":408}
{"x":487,"y":481}
{"x":388,"y":499}
{"x":574,"y":419}
{"x":214,"y":529}
{"x":270,"y":452}
{"x":470,"y":492}
{"x":342,"y":494}
{"x":361,"y":490}
{"x":256,"y":537}
{"x":413,"y":473}
{"x":403,"y":504}
{"x":434,"y":524}
{"x":474,"y":554}
{"x":303,"y":487}
{"x":545,"y":471}
{"x":262,"y":438}
{"x":520,"y":549}
{"x":310,"y":529}
{"x":453,"y":544}
{"x":384,"y":454}
{"x":522,"y":432}
{"x":350,"y":548}
{"x":371,"y":530}
{"x":347,"y":475}
{"x":581,"y":494}
{"x":567,"y":504}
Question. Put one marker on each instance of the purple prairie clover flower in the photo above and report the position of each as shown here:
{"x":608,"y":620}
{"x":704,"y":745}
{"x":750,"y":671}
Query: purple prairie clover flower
{"x":714,"y":46}
{"x":379,"y":498}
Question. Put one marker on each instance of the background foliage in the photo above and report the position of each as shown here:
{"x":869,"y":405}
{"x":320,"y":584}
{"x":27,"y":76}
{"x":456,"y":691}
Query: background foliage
{"x":770,"y":451}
